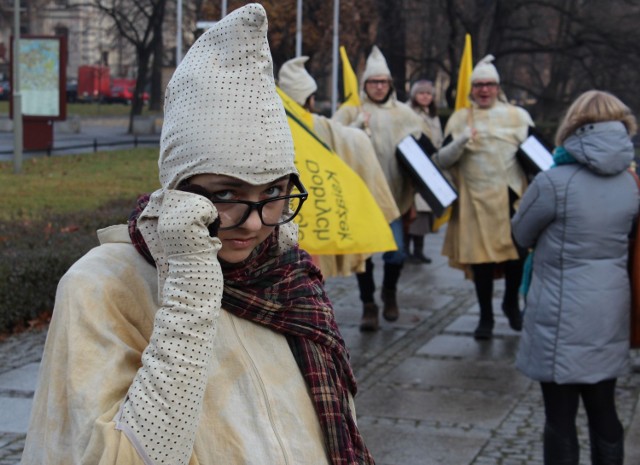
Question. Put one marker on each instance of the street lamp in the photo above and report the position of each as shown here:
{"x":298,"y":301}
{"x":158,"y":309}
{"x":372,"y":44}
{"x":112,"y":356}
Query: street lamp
{"x":15,"y":88}
{"x":299,"y":29}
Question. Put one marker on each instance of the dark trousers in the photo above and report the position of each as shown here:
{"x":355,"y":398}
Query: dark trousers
{"x":561,"y":407}
{"x":367,"y":285}
{"x":606,"y":434}
{"x":483,"y":276}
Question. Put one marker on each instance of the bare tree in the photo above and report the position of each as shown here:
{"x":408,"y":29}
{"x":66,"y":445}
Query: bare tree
{"x":139,"y":22}
{"x":358,"y":29}
{"x":547,"y":51}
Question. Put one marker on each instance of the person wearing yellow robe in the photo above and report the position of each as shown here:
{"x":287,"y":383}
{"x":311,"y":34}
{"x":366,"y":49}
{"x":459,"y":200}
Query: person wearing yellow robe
{"x":481,"y":158}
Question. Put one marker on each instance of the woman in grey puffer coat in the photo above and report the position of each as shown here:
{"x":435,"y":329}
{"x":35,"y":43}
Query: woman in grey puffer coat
{"x":578,"y":216}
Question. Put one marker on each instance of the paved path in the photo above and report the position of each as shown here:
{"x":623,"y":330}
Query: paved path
{"x":429,"y":393}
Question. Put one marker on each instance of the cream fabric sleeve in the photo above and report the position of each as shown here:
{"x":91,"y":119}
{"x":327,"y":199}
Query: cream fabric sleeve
{"x":161,"y":412}
{"x":349,"y":116}
{"x":448,"y":155}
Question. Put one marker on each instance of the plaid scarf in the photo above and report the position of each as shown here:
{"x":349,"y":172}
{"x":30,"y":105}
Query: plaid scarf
{"x":284,"y":292}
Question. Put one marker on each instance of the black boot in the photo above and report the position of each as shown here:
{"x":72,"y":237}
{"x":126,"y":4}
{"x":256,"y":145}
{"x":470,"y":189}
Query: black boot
{"x":369,"y":320}
{"x":484,"y":330}
{"x":510,"y":303}
{"x":418,"y":250}
{"x":390,"y":310}
{"x":604,"y":452}
{"x":514,"y":315}
{"x":483,"y":281}
{"x":366,"y":284}
{"x":559,"y":450}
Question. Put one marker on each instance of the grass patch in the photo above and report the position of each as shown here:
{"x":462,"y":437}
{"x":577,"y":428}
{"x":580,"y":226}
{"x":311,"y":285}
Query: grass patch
{"x":71,"y":183}
{"x":49,"y":217}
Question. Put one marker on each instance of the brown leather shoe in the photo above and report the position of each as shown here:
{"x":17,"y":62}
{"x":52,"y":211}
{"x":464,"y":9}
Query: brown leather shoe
{"x":369,"y":320}
{"x":390,"y":311}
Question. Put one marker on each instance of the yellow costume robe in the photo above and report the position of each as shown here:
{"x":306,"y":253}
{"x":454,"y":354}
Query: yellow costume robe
{"x":483,"y":171}
{"x":390,"y":122}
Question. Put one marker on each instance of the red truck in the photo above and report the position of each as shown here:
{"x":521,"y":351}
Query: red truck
{"x":94,"y":83}
{"x":122,"y":91}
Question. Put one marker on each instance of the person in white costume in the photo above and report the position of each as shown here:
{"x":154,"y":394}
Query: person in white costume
{"x":352,"y":145}
{"x":479,"y":152}
{"x":201,"y":333}
{"x":387,"y":121}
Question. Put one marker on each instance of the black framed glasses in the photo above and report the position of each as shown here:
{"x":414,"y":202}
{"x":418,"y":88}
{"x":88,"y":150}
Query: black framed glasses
{"x":488,"y":85}
{"x":272,"y":212}
{"x":378,"y":82}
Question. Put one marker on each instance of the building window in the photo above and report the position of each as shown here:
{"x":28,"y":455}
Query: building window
{"x":61,"y":31}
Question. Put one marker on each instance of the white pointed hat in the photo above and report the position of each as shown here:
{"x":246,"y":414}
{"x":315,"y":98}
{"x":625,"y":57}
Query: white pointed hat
{"x":485,"y":70}
{"x":295,"y":81}
{"x":222,"y":114}
{"x":376,"y":65}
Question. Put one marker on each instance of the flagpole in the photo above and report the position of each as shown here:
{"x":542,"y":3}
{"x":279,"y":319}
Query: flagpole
{"x":334,"y":73}
{"x":299,"y":29}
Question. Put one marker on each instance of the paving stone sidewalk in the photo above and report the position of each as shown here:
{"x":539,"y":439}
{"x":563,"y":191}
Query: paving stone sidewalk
{"x":429,"y":393}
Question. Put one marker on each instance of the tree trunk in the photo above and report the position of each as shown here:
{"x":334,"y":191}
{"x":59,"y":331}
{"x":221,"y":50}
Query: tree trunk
{"x":391,"y":41}
{"x":155,"y":96}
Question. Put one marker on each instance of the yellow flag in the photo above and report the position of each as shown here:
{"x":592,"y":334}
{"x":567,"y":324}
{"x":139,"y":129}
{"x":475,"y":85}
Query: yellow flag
{"x":463,"y":90}
{"x":340,"y":216}
{"x":350,"y":82}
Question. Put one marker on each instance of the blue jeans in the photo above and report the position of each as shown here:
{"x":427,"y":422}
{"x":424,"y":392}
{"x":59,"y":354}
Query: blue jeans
{"x":397,"y":257}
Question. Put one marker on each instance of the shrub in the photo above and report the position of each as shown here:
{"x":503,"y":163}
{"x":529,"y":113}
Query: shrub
{"x":35,"y":254}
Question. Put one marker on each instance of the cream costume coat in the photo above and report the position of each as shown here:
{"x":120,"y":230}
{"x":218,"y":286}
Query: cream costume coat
{"x":483,"y":170}
{"x":353,"y":146}
{"x":141,"y":364}
{"x":255,"y":408}
{"x":390,"y":122}
{"x":430,"y":126}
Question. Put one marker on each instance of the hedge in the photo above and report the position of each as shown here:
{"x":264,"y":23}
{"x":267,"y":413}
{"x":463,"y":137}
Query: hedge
{"x":35,"y":254}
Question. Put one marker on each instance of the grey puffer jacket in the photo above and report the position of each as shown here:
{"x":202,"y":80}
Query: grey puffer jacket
{"x":578,"y":216}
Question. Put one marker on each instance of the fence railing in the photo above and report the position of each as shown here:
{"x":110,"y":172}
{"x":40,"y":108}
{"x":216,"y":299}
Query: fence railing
{"x":94,"y":146}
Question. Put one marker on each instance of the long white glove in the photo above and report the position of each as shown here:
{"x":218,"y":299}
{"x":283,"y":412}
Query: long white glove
{"x":448,"y":155}
{"x":162,"y":410}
